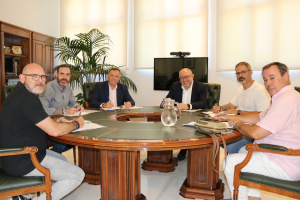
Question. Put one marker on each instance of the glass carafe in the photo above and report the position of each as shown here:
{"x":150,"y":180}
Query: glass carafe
{"x":169,"y":116}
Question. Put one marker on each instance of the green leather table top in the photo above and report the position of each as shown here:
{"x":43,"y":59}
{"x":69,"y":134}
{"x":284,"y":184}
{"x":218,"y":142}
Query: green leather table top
{"x":128,"y":132}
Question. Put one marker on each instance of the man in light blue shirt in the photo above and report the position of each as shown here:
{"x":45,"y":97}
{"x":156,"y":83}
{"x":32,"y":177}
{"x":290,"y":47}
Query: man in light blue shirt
{"x":56,"y":99}
{"x":58,"y":94}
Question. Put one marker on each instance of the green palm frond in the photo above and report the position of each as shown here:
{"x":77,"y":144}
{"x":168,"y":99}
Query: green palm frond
{"x":84,"y":55}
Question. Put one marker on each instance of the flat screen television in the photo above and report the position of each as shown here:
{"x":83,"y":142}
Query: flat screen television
{"x":166,"y":70}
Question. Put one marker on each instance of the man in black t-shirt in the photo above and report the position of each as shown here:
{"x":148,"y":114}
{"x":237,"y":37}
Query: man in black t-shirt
{"x":24,"y":122}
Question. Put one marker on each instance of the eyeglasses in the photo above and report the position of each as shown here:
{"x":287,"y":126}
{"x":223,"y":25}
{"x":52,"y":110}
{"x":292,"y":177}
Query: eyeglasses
{"x":36,"y":77}
{"x":241,"y":73}
{"x":185,"y":77}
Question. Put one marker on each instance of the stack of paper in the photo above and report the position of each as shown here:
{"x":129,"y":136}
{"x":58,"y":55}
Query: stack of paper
{"x":85,"y":112}
{"x":122,"y":108}
{"x":88,"y":125}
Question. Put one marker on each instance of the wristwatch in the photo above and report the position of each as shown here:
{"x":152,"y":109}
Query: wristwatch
{"x":63,"y":111}
{"x":233,"y":124}
{"x":239,"y":112}
{"x":189,"y":106}
{"x":76,"y":124}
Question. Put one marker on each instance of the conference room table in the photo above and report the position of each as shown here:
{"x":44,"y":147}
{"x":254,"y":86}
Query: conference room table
{"x":115,"y":151}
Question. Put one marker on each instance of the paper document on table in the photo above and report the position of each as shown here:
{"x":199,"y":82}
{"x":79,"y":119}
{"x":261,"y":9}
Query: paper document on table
{"x":228,"y":126}
{"x":210,"y":113}
{"x":122,"y":108}
{"x":189,"y":124}
{"x":88,"y":125}
{"x":191,"y":110}
{"x":85,"y":112}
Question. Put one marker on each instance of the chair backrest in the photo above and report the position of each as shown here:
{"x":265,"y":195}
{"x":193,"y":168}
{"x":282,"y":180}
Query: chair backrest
{"x":6,"y":90}
{"x":297,"y":88}
{"x":88,"y":90}
{"x":213,"y":94}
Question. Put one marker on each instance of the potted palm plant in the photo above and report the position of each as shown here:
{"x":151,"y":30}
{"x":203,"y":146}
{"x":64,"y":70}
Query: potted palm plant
{"x":86,"y":57}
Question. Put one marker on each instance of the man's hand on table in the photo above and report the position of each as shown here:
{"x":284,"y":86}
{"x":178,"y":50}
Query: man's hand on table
{"x":80,"y":120}
{"x":183,"y":106}
{"x":79,"y":109}
{"x":61,"y":120}
{"x":108,"y":105}
{"x":127,"y":104}
{"x":70,"y":111}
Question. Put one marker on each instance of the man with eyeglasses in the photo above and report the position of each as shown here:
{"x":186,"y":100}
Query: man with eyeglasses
{"x":251,"y":97}
{"x":58,"y":99}
{"x":190,"y":93}
{"x":277,"y":125}
{"x":24,"y":122}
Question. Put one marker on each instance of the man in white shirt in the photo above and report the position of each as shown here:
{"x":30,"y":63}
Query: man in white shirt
{"x":251,"y":97}
{"x":190,"y":93}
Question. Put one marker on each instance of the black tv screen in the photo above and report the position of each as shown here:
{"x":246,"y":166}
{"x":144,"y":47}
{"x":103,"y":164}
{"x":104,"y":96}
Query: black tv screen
{"x":166,"y":70}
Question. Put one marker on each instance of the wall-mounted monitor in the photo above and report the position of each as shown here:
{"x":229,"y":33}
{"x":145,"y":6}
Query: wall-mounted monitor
{"x":166,"y":70}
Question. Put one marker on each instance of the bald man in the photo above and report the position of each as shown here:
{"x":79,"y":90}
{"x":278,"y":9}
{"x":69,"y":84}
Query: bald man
{"x":24,"y":122}
{"x":190,"y":93}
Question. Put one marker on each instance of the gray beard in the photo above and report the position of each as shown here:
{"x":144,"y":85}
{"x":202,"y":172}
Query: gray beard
{"x":242,"y":82}
{"x":32,"y":90}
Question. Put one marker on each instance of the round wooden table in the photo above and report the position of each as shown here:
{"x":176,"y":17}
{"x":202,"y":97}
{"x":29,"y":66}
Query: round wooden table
{"x":119,"y":145}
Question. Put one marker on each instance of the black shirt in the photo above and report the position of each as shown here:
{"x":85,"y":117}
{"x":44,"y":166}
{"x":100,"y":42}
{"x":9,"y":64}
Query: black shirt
{"x":20,"y":113}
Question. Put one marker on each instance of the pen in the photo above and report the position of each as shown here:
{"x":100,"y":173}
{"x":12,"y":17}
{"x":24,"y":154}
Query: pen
{"x":111,"y":110}
{"x":216,"y":107}
{"x":79,"y":114}
{"x":221,"y":115}
{"x":109,"y":99}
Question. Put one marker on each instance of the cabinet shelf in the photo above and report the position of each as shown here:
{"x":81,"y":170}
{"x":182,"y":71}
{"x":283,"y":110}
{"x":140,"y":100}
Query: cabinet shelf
{"x":15,"y":55}
{"x":34,"y":50}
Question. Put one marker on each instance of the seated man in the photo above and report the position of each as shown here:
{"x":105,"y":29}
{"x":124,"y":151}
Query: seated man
{"x":108,"y":94}
{"x":24,"y":122}
{"x":251,"y":97}
{"x":277,"y":125}
{"x":190,"y":93}
{"x":56,"y":98}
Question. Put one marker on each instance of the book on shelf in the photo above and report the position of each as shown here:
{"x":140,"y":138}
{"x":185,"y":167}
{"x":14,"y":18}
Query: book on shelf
{"x":10,"y":73}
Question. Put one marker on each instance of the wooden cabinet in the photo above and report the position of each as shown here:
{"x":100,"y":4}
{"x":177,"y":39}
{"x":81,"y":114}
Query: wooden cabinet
{"x":42,"y":54}
{"x":33,"y":50}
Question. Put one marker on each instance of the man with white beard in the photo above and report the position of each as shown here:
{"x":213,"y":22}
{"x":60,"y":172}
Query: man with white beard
{"x":251,"y":97}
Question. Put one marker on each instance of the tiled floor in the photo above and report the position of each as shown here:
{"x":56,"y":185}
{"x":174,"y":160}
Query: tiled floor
{"x":155,"y":185}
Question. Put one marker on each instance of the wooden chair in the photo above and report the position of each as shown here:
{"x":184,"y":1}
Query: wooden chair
{"x":265,"y":183}
{"x":14,"y":186}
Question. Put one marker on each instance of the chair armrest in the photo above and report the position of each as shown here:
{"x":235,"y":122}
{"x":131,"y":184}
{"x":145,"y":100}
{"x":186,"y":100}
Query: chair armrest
{"x":269,"y":148}
{"x":27,"y":150}
{"x":16,"y":151}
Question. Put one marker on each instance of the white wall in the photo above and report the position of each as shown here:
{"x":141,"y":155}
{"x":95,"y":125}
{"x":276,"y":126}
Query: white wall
{"x":36,"y":15}
{"x":146,"y":96}
{"x":42,"y":16}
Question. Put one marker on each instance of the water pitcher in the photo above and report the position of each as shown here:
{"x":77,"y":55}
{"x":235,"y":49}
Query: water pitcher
{"x":169,"y":116}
